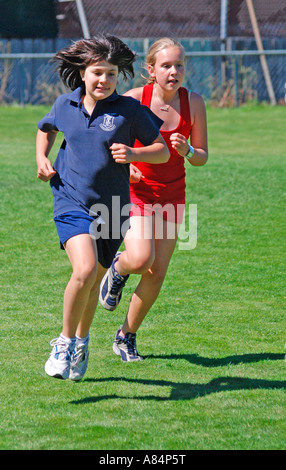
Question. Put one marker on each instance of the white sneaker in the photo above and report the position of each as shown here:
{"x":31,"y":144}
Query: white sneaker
{"x":79,"y":362}
{"x":58,"y":364}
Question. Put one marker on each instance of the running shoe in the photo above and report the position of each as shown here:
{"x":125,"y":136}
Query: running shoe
{"x":79,"y":362}
{"x":58,"y":364}
{"x":126,"y":347}
{"x":111,"y":286}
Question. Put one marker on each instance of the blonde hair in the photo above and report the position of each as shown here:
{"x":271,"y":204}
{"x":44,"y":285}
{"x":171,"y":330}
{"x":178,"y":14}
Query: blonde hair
{"x":156,"y":47}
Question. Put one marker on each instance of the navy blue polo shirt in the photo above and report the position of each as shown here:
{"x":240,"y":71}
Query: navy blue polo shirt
{"x":86,"y":172}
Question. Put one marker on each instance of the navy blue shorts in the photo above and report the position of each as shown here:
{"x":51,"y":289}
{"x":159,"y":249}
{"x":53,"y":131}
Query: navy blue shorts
{"x":76,"y":223}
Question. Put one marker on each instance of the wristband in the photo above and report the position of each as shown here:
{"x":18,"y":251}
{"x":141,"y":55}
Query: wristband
{"x":191,"y":151}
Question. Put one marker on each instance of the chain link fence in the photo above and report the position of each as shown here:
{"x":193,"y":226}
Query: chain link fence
{"x":224,"y":78}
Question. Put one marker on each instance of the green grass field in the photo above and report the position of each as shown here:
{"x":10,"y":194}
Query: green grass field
{"x":214,"y":343}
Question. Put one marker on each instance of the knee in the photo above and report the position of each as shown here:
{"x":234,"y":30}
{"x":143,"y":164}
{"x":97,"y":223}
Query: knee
{"x":85,"y":275}
{"x":157,"y":277}
{"x":140,"y":263}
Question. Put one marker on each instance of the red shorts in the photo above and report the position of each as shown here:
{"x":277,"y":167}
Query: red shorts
{"x":157,"y":198}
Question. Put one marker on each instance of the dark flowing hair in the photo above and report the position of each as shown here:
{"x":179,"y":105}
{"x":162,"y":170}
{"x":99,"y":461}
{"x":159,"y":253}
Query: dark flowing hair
{"x":75,"y":58}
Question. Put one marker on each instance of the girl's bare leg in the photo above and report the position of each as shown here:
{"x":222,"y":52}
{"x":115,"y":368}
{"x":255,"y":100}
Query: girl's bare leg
{"x":80,"y":296}
{"x":87,"y":316}
{"x":139,"y":243}
{"x":150,"y":284}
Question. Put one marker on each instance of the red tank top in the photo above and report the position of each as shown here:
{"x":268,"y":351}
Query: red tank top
{"x":174,"y":170}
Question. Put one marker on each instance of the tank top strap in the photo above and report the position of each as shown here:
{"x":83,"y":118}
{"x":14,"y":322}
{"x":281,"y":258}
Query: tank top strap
{"x":185,"y":105}
{"x":147,"y":95}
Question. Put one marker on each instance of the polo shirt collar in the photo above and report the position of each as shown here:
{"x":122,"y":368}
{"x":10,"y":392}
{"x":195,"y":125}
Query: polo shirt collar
{"x":75,"y":97}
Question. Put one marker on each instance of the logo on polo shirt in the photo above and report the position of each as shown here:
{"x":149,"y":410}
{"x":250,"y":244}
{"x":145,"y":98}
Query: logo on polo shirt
{"x":108,"y":123}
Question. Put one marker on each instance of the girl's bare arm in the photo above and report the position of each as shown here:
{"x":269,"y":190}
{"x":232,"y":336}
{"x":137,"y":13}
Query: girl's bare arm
{"x":44,"y":143}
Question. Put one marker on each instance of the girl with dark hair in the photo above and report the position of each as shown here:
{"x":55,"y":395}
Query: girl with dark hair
{"x":73,"y":59}
{"x":90,"y":173}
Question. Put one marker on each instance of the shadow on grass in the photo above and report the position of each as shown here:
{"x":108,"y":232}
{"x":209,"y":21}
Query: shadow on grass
{"x":191,"y":391}
{"x":184,"y":390}
{"x":220,"y":362}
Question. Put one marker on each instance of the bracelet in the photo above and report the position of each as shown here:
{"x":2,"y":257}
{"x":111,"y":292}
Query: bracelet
{"x":191,"y":151}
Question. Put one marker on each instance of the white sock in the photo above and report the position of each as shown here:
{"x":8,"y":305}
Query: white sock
{"x":69,"y":341}
{"x":82,"y":341}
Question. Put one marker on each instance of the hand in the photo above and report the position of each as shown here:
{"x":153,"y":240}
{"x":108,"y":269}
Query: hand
{"x":135,"y":174}
{"x":179,"y":143}
{"x":121,"y":153}
{"x":45,"y":169}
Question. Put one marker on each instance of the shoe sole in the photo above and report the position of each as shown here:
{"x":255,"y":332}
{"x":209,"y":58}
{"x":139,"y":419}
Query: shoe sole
{"x":116,"y":350}
{"x":101,"y":299}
